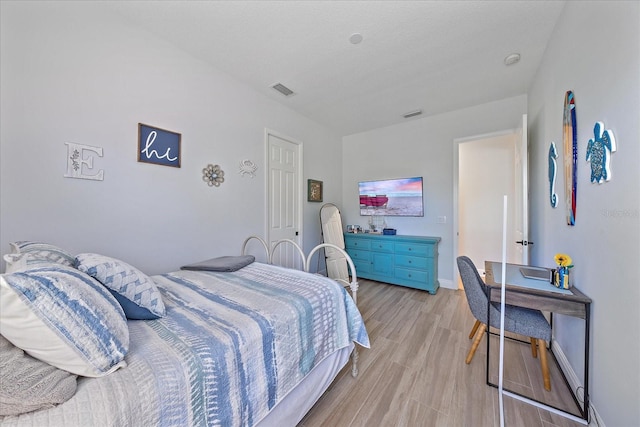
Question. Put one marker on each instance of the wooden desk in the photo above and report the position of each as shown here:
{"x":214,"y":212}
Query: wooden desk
{"x":537,"y":294}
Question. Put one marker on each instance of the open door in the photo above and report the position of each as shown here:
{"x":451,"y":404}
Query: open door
{"x":332,"y":233}
{"x":486,"y":167}
{"x":522,"y":194}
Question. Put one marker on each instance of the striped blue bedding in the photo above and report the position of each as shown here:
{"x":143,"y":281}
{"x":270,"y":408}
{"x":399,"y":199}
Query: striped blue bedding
{"x":231,"y":346}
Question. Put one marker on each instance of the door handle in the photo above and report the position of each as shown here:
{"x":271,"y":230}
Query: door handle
{"x":524,"y":242}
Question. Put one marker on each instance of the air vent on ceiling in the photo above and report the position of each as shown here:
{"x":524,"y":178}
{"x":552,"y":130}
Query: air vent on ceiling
{"x":283,"y":89}
{"x":412,"y":114}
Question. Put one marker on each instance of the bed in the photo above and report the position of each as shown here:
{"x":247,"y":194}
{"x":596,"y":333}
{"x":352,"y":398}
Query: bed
{"x":252,"y":347}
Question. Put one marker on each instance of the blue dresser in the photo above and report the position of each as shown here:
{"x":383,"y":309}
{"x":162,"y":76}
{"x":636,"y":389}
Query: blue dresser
{"x":401,"y":260}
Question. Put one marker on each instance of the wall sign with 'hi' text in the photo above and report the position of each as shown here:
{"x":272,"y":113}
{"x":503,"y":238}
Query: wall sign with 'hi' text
{"x":158,"y":146}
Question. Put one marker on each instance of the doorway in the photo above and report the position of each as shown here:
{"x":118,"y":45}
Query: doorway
{"x":487,"y":167}
{"x":284,"y":197}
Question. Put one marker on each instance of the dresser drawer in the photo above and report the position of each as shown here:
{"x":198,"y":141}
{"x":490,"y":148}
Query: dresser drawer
{"x":414,"y":249}
{"x":358,"y":255}
{"x":411,"y":262}
{"x":420,"y":276}
{"x":382,"y":246}
{"x":362,"y":266}
{"x":355,"y":243}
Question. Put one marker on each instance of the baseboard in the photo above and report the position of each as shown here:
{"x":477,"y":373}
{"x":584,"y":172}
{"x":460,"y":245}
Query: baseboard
{"x":575,"y":383}
{"x":444,"y":283}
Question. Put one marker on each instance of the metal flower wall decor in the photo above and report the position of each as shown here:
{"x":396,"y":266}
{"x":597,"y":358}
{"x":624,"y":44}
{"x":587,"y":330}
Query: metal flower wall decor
{"x":213,"y":175}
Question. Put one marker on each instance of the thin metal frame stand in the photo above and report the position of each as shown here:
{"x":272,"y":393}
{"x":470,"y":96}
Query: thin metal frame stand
{"x":584,"y":410}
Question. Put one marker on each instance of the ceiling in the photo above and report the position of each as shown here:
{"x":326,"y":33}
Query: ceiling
{"x":434,"y":56}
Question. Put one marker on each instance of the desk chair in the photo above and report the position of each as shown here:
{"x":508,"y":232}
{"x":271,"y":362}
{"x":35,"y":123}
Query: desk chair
{"x":519,"y":320}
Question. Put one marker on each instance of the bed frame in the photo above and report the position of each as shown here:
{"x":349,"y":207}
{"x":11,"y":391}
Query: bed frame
{"x":116,"y":399}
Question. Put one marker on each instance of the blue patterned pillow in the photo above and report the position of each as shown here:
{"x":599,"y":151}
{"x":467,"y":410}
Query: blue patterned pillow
{"x":62,"y":316}
{"x":133,"y":289}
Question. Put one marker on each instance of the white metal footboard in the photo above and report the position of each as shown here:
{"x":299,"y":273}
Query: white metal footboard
{"x":295,"y":245}
{"x":264,"y":244}
{"x":353,"y":285}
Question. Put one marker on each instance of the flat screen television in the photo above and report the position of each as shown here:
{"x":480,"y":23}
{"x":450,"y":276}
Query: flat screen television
{"x":392,"y":197}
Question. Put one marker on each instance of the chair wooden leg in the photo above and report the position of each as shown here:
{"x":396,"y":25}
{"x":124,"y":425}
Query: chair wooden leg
{"x":534,"y":348}
{"x":474,"y":329}
{"x":544,"y":365}
{"x":476,"y":343}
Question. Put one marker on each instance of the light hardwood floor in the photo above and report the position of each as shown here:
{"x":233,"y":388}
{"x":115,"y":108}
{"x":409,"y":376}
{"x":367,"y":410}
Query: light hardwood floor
{"x":415,"y":375}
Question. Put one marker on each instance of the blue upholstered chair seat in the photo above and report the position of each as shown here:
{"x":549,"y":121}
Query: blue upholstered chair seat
{"x":520,"y":320}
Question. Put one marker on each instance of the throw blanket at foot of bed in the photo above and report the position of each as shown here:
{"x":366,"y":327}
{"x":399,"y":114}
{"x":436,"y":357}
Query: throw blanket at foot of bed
{"x":230,"y":347}
{"x":250,"y":336}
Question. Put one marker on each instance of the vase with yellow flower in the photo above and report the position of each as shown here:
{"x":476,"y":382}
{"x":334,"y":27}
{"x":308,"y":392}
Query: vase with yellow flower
{"x":561,"y":276}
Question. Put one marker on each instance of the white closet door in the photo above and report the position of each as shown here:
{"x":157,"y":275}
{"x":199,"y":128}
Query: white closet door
{"x":284,"y":208}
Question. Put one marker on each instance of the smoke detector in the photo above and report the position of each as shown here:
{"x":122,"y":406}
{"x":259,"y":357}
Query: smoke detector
{"x":356,"y":38}
{"x":511,"y":59}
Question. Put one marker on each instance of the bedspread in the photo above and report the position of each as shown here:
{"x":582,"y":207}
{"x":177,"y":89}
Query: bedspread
{"x":230,"y":347}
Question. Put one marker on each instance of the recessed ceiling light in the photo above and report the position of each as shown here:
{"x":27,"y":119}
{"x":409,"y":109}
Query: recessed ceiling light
{"x":511,"y":59}
{"x":355,"y":38}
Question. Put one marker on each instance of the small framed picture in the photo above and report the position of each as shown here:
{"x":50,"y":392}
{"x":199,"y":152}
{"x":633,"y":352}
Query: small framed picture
{"x":314,"y":190}
{"x":158,"y":146}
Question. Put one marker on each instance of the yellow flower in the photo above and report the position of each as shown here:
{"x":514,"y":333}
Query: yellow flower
{"x":563,"y":260}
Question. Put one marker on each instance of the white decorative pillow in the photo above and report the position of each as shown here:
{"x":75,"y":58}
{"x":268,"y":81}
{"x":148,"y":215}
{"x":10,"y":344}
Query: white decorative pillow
{"x":22,"y":262}
{"x":41,"y":250}
{"x":65,"y":318}
{"x":135,"y":291}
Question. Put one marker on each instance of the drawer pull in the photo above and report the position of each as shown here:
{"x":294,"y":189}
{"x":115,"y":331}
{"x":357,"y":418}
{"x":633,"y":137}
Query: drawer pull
{"x":409,"y":261}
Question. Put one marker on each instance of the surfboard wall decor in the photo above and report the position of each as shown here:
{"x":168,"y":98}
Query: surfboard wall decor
{"x":570,"y":140}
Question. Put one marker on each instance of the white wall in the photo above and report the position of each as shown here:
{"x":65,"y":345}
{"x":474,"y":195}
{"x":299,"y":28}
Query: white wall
{"x":72,"y":72}
{"x":595,"y":51}
{"x":422,"y":147}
